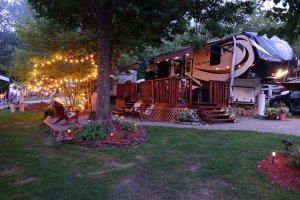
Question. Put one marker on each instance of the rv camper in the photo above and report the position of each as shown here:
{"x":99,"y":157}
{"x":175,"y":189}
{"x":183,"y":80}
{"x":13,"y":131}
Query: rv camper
{"x":244,"y":60}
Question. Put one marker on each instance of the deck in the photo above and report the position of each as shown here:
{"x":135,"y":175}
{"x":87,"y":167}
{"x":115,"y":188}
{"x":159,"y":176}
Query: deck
{"x":172,"y":95}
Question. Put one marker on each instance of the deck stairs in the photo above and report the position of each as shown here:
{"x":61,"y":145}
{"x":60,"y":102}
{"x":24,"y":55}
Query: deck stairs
{"x":212,"y":113}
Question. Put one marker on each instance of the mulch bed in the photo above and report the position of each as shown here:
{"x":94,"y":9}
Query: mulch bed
{"x":280,"y":173}
{"x":114,"y":140}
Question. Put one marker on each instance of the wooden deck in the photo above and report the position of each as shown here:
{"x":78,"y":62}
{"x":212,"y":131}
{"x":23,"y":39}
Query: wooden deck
{"x":172,"y":95}
{"x":169,"y":92}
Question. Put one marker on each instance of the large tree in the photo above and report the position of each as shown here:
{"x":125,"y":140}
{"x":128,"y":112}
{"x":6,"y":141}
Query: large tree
{"x":123,"y":22}
{"x":128,"y":24}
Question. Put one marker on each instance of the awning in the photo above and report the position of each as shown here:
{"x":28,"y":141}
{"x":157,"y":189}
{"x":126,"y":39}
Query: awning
{"x":174,"y":54}
{"x":3,"y":78}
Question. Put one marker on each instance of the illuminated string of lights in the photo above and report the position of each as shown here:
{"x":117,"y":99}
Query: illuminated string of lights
{"x":47,"y":85}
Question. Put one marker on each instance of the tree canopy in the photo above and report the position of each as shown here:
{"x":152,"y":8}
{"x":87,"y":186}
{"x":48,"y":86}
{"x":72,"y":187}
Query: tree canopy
{"x":287,"y":13}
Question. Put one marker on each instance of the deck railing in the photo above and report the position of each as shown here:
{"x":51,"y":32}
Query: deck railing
{"x":171,"y":92}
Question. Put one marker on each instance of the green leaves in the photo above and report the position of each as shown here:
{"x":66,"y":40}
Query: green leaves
{"x":92,"y":131}
{"x":289,"y":16}
{"x":294,"y":156}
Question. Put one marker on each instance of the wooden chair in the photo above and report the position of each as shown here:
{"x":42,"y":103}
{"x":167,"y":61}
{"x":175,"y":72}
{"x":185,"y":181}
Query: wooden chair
{"x":62,"y":113}
{"x":135,"y":109}
{"x":147,"y":113}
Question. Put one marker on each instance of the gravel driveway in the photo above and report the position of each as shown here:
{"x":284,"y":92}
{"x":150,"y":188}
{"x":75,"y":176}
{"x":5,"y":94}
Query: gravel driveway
{"x":291,"y":126}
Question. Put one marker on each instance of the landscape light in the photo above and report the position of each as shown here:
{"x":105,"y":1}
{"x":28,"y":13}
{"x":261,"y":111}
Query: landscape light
{"x":69,"y":130}
{"x":273,"y":156}
{"x":287,"y":143}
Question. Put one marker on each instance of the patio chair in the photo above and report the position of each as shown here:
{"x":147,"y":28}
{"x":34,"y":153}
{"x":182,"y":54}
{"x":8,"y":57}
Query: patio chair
{"x":62,"y":113}
{"x":135,"y":109}
{"x":147,"y":113}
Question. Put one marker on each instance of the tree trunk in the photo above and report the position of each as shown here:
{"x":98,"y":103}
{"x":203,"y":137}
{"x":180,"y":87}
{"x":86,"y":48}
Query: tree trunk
{"x":103,"y":111}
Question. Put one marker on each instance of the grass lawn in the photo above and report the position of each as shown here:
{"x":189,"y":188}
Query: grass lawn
{"x":172,"y":164}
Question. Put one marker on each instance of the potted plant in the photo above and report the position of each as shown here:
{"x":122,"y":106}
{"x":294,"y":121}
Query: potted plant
{"x":271,"y":113}
{"x":283,"y":111}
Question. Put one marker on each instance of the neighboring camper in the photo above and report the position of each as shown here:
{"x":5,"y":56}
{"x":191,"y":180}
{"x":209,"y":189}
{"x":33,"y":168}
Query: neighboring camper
{"x":244,"y":59}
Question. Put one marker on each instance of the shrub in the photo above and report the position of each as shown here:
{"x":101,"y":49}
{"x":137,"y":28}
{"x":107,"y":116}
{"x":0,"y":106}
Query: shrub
{"x":92,"y":132}
{"x":128,"y":125}
{"x":294,"y":157}
{"x":269,"y":111}
{"x":183,"y":116}
{"x":187,"y":116}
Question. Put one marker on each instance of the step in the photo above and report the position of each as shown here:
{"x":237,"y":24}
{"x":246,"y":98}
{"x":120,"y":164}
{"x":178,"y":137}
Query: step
{"x":218,"y":116}
{"x":230,"y":120}
{"x":218,"y":111}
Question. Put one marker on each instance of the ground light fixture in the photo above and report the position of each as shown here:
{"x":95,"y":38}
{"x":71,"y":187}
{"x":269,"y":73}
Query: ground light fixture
{"x":287,"y":143}
{"x":273,"y":156}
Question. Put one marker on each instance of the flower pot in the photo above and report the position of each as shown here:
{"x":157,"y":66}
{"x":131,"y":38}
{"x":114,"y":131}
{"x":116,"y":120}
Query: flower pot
{"x":282,"y":116}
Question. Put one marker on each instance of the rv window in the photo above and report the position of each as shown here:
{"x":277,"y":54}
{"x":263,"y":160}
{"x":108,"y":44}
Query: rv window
{"x":215,"y":55}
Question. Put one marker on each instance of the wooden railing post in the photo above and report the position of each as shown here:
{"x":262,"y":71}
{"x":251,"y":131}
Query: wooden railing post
{"x":190,"y":91}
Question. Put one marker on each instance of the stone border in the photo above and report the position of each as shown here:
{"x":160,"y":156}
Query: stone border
{"x":141,"y":138}
{"x":60,"y":138}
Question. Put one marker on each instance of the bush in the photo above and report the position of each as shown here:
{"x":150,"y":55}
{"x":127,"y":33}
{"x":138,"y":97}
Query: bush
{"x":92,"y":132}
{"x":294,"y":157}
{"x":269,"y":111}
{"x":126,"y":125}
{"x":187,"y":116}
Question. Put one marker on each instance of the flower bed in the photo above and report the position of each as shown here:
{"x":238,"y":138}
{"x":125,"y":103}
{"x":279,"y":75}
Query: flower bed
{"x":280,"y":173}
{"x":118,"y":138}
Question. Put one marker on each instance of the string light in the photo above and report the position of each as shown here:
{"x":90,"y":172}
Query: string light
{"x":47,"y":85}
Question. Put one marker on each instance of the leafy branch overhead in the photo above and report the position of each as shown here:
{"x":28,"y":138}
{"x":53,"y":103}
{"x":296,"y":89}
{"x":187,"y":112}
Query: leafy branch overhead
{"x":287,"y":14}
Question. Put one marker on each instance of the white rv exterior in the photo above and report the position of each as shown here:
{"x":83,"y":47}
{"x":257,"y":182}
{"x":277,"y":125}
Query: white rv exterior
{"x":244,"y":59}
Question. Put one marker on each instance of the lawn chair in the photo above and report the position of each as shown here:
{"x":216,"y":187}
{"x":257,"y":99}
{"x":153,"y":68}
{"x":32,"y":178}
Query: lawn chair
{"x":147,"y":113}
{"x":135,"y":109}
{"x":62,"y":113}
